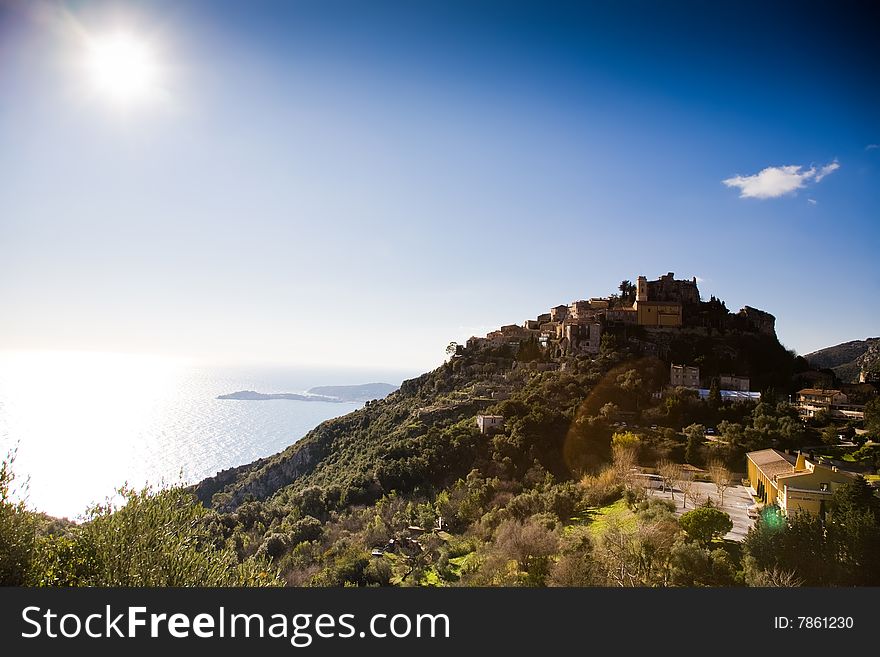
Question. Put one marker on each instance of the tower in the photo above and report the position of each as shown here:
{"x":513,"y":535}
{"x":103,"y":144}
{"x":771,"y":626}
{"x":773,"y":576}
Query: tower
{"x":642,"y":289}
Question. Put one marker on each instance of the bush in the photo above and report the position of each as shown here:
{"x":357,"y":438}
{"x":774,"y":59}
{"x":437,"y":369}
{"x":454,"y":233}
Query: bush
{"x":274,"y":545}
{"x":17,"y":528}
{"x":601,"y":489}
{"x":154,"y":539}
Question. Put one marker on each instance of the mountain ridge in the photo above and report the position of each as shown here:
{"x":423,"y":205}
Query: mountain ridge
{"x":848,"y":359}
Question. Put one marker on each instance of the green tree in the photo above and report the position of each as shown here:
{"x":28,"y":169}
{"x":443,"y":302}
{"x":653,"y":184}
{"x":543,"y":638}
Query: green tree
{"x":872,"y":418}
{"x":829,"y":435}
{"x":856,"y":496}
{"x":838,"y":551}
{"x":608,"y":346}
{"x":715,"y":399}
{"x":696,"y":434}
{"x":705,"y":524}
{"x":631,"y":384}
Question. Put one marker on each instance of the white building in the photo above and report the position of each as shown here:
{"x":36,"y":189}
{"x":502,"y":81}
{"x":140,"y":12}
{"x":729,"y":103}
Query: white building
{"x":486,"y":422}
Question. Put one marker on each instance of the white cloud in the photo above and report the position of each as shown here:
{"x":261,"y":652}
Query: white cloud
{"x":773,"y":182}
{"x":871,"y":147}
{"x":828,"y":168}
{"x":812,"y":201}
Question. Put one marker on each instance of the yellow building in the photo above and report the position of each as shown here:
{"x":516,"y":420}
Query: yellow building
{"x":794,"y":483}
{"x":655,"y":313}
{"x":658,"y":313}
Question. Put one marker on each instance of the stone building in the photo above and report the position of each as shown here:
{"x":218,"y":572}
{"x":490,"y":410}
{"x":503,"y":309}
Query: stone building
{"x":583,"y":336}
{"x":684,"y":376}
{"x":665,"y":303}
{"x":558,"y":313}
{"x":622,"y":315}
{"x":581,"y":310}
{"x":668,"y":289}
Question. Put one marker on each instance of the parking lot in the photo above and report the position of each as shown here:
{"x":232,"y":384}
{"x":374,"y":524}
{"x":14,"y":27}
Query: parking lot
{"x":736,"y":504}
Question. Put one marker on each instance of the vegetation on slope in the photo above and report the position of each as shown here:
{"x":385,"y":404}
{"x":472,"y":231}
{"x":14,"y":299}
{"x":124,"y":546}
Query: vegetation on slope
{"x":407,"y":491}
{"x":846,"y":360}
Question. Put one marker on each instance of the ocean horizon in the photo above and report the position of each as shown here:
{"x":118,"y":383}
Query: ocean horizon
{"x":84,"y":424}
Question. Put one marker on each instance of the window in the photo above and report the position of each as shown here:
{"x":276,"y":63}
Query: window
{"x":823,"y":486}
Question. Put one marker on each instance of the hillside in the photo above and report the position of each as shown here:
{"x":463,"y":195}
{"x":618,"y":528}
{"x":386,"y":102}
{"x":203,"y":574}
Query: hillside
{"x":847,"y":359}
{"x":408,"y":490}
{"x":424,"y":435}
{"x":415,"y":489}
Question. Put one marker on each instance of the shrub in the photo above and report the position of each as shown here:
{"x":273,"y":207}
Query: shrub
{"x":17,"y":527}
{"x":704,"y":524}
{"x":601,"y":489}
{"x":154,"y":539}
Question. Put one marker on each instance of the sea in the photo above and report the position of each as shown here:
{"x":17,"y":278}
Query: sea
{"x":83,"y":424}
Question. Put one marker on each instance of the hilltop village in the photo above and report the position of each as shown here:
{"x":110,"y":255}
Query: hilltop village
{"x":648,"y":309}
{"x":651,"y":315}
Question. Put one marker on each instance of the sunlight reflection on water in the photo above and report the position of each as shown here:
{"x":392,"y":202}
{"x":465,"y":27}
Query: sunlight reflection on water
{"x":85,"y":423}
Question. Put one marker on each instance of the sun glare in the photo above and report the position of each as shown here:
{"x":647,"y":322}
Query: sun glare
{"x":123,"y":68}
{"x":79,"y":420}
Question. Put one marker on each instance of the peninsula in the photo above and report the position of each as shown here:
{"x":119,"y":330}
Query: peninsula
{"x":355,"y":393}
{"x":252,"y":395}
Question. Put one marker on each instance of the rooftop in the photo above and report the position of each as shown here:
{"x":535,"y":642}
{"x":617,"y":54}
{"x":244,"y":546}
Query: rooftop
{"x":772,"y":462}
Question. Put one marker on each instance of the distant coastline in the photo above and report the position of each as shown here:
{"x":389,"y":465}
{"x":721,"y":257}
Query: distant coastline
{"x":333,"y":394}
{"x":252,"y":395}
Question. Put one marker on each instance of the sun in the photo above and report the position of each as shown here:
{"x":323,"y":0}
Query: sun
{"x":123,"y":69}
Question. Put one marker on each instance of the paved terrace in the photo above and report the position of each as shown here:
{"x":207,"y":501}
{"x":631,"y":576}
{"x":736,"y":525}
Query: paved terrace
{"x":736,"y":504}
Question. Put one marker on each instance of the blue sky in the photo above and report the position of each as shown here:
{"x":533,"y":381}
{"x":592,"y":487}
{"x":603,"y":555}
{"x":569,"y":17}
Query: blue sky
{"x":360,"y":183}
